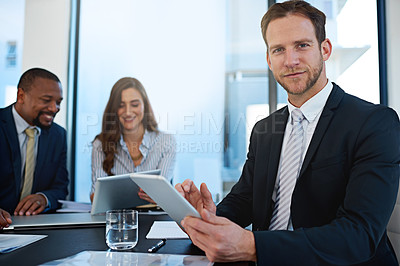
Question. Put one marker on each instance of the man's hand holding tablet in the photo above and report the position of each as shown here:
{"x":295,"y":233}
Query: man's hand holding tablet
{"x":199,"y":199}
{"x":221,"y":239}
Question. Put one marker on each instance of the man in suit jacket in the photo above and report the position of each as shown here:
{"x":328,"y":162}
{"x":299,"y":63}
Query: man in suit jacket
{"x":347,"y":184}
{"x":38,"y":101}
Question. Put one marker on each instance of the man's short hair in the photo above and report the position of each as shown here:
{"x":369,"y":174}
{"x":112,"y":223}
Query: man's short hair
{"x":29,"y":76}
{"x":295,"y":7}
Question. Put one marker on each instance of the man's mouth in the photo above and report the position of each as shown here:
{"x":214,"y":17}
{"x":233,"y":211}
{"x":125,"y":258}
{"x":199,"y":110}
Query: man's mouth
{"x":44,"y":119}
{"x":48,"y":116}
{"x":294,"y":74}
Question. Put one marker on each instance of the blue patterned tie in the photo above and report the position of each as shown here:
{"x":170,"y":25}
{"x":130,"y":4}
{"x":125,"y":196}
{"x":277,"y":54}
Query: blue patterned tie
{"x":289,"y":172}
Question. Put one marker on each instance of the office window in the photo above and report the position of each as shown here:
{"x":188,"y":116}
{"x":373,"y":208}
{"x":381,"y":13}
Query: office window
{"x":11,"y":39}
{"x":246,"y":83}
{"x":191,"y":58}
{"x":354,"y":63}
{"x":176,"y":48}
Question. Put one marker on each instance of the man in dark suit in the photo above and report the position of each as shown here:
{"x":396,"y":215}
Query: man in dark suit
{"x":38,"y":101}
{"x":324,"y":201}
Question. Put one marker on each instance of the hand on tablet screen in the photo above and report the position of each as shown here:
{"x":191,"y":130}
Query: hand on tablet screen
{"x":200,"y":199}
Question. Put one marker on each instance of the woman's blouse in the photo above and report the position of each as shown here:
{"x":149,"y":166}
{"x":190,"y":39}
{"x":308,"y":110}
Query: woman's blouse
{"x":157,"y":148}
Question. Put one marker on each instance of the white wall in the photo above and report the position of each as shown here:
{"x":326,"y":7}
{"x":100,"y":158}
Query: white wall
{"x":46,"y":41}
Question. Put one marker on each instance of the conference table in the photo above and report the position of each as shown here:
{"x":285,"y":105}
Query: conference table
{"x":62,"y":242}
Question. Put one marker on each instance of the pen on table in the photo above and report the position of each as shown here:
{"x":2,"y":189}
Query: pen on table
{"x":157,"y":246}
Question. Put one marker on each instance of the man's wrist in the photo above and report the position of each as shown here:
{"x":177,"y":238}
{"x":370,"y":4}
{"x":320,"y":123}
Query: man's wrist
{"x":253,"y":251}
{"x":46,"y":199}
{"x":249,"y":246}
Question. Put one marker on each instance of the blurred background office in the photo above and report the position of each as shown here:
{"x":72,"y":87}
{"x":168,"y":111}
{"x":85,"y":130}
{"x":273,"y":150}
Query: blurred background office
{"x":202,"y":63}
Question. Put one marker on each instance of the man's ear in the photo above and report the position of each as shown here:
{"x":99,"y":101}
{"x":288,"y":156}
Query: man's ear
{"x":269,"y":61}
{"x":326,"y":49}
{"x":20,"y":95}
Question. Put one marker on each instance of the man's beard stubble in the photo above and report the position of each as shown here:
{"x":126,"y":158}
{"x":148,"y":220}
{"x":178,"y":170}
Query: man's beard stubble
{"x":36,"y":121}
{"x":315,"y":74}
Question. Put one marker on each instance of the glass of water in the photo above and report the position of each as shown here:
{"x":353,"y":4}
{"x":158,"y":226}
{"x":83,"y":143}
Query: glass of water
{"x":121,"y":229}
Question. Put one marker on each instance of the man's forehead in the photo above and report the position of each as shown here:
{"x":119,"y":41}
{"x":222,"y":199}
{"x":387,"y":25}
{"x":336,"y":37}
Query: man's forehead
{"x":47,"y":89}
{"x":292,"y":26}
{"x":44,"y":84}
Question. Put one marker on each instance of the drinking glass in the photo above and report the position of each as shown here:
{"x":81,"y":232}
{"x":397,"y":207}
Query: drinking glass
{"x":121,"y":229}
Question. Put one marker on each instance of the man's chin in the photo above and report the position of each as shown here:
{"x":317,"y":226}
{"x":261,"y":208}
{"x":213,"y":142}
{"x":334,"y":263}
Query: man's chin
{"x":43,"y":124}
{"x":294,"y":89}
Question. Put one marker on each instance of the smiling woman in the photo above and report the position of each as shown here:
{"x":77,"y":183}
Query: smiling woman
{"x":131,"y":111}
{"x":130,"y":140}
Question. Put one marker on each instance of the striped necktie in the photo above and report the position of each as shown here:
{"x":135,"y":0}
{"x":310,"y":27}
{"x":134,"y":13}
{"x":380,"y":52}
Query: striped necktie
{"x":289,"y":172}
{"x":29,"y":163}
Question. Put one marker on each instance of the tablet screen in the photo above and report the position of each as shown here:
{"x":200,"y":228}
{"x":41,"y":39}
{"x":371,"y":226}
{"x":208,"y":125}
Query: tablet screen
{"x":166,"y":196}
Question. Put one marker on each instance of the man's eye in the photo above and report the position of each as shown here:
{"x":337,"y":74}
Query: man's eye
{"x":277,"y":50}
{"x":303,"y":45}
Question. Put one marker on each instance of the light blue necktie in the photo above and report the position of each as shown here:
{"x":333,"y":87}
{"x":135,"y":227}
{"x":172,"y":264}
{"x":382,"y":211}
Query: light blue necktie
{"x":289,"y":171}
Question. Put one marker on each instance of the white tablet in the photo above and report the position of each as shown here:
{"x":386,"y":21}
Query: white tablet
{"x":165,"y":195}
{"x":117,"y":192}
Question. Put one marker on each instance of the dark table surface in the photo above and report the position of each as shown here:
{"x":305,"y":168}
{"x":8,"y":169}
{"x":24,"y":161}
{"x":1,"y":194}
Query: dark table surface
{"x":65,"y":242}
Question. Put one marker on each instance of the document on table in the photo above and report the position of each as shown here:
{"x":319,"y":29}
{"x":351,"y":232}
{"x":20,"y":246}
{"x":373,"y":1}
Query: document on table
{"x":166,"y":230}
{"x":89,"y":258}
{"x":11,"y":242}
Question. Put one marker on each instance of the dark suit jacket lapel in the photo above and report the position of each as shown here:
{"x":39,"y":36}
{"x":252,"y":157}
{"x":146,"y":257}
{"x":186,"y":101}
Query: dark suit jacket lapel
{"x":278,"y":131}
{"x":12,"y":139}
{"x":327,"y":114}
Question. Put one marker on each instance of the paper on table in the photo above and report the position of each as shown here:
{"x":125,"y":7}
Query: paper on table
{"x":166,"y":230}
{"x":89,"y":258}
{"x":10,"y":242}
{"x":73,"y":206}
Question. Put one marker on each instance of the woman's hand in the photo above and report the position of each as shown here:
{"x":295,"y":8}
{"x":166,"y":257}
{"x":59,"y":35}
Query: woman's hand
{"x":143,"y":195}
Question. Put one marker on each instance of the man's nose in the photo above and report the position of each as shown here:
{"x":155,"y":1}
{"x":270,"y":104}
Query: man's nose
{"x":54,"y":107}
{"x":291,"y":58}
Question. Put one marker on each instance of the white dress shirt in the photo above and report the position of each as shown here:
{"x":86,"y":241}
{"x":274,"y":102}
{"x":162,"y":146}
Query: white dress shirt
{"x":311,"y":110}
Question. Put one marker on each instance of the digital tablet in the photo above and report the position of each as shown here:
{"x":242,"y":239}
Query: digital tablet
{"x":117,"y":192}
{"x":165,"y":195}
